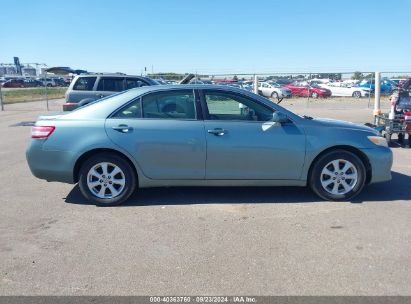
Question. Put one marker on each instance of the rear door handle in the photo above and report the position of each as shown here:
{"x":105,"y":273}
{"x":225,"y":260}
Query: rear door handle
{"x":123,"y":128}
{"x":218,"y":131}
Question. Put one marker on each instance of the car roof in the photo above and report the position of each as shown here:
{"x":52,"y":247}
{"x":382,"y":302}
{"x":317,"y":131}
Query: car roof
{"x":110,"y":75}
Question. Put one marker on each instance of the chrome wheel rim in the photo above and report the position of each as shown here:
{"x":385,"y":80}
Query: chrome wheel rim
{"x":339,"y":177}
{"x":106,"y":180}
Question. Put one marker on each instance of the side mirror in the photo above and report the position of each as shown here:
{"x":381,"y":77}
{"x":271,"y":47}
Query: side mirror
{"x":279,"y":118}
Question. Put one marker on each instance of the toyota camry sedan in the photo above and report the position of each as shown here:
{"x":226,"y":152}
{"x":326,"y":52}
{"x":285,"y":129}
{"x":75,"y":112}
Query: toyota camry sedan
{"x":202,"y":135}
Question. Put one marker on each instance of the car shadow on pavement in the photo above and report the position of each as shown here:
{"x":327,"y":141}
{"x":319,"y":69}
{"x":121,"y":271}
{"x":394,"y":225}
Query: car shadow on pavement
{"x":397,"y":189}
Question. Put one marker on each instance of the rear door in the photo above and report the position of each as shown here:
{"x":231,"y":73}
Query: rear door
{"x":165,"y":134}
{"x":242,"y":145}
{"x":108,"y":86}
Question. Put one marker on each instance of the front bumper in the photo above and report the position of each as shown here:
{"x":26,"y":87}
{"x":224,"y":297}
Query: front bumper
{"x":285,"y":94}
{"x":381,"y":162}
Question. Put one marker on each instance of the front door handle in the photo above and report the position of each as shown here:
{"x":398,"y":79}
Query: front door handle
{"x":123,"y":128}
{"x":218,"y":131}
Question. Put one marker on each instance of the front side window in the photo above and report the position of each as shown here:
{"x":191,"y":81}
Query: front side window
{"x":113,"y":84}
{"x":170,"y":105}
{"x":226,"y":106}
{"x":84,"y":84}
{"x":132,"y":83}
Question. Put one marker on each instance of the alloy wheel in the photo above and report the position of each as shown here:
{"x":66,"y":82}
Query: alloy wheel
{"x":339,"y":177}
{"x":106,"y":180}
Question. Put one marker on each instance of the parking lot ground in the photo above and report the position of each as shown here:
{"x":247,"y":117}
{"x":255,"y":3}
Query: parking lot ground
{"x":201,"y":241}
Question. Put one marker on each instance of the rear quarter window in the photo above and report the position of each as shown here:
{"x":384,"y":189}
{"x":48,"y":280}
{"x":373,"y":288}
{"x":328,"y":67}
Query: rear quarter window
{"x":84,"y":84}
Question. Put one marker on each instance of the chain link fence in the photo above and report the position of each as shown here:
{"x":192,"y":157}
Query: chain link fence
{"x":47,"y":93}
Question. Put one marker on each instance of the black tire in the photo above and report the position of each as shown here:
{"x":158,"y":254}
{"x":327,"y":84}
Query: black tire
{"x":314,"y":95}
{"x":318,"y":166}
{"x":356,"y":94}
{"x":401,"y":138}
{"x":129,"y":174}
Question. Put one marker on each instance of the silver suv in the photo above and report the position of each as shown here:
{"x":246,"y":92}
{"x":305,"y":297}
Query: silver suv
{"x":90,"y":87}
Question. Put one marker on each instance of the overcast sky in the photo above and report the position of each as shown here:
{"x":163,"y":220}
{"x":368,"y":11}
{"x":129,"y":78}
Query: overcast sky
{"x":209,"y":36}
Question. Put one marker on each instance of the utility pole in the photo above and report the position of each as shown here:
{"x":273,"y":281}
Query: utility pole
{"x":256,"y":84}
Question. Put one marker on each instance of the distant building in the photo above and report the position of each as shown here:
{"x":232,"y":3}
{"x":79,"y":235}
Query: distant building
{"x":29,"y":71}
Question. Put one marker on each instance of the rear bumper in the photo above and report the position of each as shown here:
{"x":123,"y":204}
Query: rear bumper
{"x":381,"y":162}
{"x":50,"y":165}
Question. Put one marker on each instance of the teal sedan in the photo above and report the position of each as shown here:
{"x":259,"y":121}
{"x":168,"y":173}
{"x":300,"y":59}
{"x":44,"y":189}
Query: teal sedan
{"x":202,"y":135}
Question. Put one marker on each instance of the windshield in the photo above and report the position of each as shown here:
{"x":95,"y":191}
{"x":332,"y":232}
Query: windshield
{"x":275,"y":85}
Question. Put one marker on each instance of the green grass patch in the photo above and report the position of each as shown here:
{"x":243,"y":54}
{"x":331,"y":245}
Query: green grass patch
{"x":32,"y":94}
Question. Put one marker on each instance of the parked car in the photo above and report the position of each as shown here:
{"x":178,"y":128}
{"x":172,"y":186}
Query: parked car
{"x":304,"y":89}
{"x":49,"y":82}
{"x":213,"y":136}
{"x":32,"y":83}
{"x":283,"y":81}
{"x":60,"y":82}
{"x":88,"y":88}
{"x":343,"y":89}
{"x":274,"y":90}
{"x":386,"y":85}
{"x":13,"y":83}
{"x":238,"y":85}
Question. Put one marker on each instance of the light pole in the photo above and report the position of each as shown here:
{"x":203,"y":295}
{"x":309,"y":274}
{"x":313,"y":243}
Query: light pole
{"x":1,"y":99}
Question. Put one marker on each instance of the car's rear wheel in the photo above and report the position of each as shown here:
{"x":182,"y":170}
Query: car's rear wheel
{"x":356,"y":94}
{"x":107,"y":179}
{"x":337,"y":175}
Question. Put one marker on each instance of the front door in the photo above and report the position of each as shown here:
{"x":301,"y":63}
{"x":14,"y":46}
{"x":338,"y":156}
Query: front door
{"x":163,"y":134}
{"x":242,"y":144}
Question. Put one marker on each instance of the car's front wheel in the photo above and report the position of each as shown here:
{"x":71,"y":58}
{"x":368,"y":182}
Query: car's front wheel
{"x":337,"y":175}
{"x":107,"y":179}
{"x":274,"y":95}
{"x":314,"y":95}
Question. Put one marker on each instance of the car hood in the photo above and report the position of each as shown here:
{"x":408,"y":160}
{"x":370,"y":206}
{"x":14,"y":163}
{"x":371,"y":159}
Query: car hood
{"x":333,"y":123}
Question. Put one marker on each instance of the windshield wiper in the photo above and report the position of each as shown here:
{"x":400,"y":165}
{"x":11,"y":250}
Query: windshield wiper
{"x":308,"y":117}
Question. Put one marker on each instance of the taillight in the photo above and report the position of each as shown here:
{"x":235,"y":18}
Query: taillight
{"x":41,"y":131}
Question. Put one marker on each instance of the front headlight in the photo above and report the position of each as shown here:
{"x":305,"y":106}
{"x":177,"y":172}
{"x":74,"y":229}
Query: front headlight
{"x":378,"y":140}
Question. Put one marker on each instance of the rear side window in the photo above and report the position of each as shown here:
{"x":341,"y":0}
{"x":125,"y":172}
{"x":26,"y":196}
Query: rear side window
{"x":132,"y":83}
{"x":169,"y":105}
{"x":133,"y":110}
{"x":114,"y":84}
{"x":84,"y":84}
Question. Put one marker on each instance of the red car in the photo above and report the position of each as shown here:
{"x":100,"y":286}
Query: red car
{"x":14,"y":83}
{"x":304,"y":89}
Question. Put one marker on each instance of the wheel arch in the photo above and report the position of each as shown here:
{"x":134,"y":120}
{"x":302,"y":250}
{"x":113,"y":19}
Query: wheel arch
{"x":80,"y":161}
{"x":348,"y":148}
